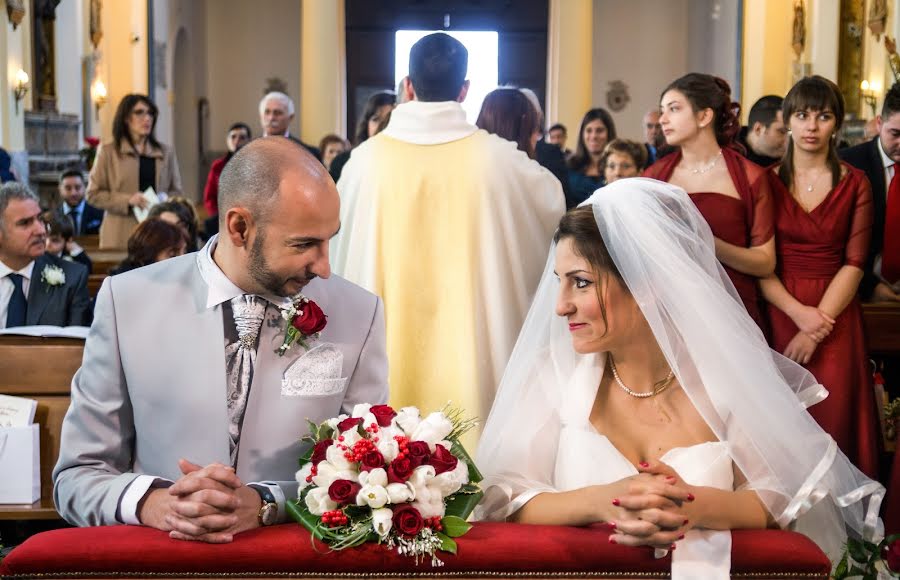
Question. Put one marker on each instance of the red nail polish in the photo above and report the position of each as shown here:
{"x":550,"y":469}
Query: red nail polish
{"x":670,"y":478}
{"x":644,"y":464}
{"x":612,"y":541}
{"x":672,"y":547}
{"x":690,"y":497}
{"x":686,"y":522}
{"x":681,"y":537}
{"x":615,"y":501}
{"x":612,"y":525}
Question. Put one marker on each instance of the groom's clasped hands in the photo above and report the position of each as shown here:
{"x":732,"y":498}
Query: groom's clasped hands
{"x":650,"y":508}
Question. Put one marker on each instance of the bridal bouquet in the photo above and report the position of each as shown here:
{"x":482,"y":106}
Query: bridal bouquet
{"x":386,"y":476}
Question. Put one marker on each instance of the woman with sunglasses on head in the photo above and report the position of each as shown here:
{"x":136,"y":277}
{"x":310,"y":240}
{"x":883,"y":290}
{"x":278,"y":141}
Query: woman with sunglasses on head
{"x":126,"y":166}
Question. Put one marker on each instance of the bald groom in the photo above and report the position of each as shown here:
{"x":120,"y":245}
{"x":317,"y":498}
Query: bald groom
{"x":183,"y":416}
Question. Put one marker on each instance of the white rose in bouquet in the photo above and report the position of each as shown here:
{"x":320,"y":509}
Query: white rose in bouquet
{"x":361,"y":410}
{"x":408,"y":419}
{"x":401,"y":492}
{"x":375,"y":477}
{"x":388,"y":448}
{"x":374,"y":496}
{"x":300,"y":476}
{"x":382,"y":521}
{"x":326,"y":474}
{"x":432,"y":430}
{"x":335,"y":456}
{"x":318,"y":502}
{"x":428,"y":499}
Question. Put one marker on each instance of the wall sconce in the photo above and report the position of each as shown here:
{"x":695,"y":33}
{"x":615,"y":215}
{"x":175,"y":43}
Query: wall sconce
{"x":20,"y":88}
{"x":867,"y":91}
{"x":98,"y":95}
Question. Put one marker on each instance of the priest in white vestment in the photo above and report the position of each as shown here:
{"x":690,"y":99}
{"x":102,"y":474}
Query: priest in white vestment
{"x":450,"y":225}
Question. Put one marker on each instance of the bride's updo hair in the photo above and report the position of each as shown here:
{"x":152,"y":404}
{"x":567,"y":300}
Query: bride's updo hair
{"x":708,"y":92}
{"x":580,"y":226}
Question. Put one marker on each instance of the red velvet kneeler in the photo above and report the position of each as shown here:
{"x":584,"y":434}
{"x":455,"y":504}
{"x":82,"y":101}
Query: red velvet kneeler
{"x":489,"y":549}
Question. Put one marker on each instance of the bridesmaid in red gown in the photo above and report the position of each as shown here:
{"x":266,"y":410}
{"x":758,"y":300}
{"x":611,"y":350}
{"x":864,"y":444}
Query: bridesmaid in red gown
{"x":823,"y":223}
{"x":732,"y":193}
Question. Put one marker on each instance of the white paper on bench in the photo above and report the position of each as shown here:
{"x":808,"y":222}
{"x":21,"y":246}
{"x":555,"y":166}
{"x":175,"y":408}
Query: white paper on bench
{"x":48,"y":331}
{"x":20,"y":464}
{"x":16,"y":411}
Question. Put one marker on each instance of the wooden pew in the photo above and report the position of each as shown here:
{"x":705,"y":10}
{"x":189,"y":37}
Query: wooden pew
{"x":94,"y":283}
{"x":40,"y":369}
{"x":90,"y":243}
{"x":882,"y":325}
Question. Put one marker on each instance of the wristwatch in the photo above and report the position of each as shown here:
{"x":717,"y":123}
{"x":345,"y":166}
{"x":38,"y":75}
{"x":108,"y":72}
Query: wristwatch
{"x":268,"y":511}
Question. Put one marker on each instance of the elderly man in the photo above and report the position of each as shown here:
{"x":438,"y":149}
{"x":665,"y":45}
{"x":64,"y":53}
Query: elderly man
{"x":276,"y":111}
{"x":35,"y":288}
{"x":654,"y":140}
{"x":199,"y":434}
{"x":451,"y":226}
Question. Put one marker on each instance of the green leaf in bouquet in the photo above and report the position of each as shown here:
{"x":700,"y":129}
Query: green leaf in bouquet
{"x":458,"y":450}
{"x":841,"y":571}
{"x":455,"y":526}
{"x":300,"y":513}
{"x":447,"y":543}
{"x":462,"y":503}
{"x":858,"y":551}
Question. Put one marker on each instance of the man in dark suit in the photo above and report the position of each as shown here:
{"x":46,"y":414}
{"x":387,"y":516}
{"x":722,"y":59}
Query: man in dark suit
{"x":276,"y":111}
{"x":35,"y":288}
{"x":878,"y":159}
{"x":85,"y":218}
{"x":765,"y":136}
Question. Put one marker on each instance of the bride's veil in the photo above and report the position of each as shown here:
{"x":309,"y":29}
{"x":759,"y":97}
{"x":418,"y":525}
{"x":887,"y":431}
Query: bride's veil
{"x":753,"y":398}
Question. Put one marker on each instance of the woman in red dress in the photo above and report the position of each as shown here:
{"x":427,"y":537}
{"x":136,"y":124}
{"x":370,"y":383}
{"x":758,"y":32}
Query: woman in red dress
{"x":732,"y":193}
{"x":823,"y":223}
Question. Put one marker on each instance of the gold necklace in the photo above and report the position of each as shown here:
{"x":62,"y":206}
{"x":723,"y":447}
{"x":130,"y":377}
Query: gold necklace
{"x":658,"y":387}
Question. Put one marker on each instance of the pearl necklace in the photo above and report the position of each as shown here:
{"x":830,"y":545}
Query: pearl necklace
{"x":663,"y":384}
{"x":707,"y":168}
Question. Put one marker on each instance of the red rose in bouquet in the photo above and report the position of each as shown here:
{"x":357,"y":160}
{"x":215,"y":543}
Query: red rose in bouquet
{"x":319,"y":451}
{"x":419,"y":453}
{"x":892,"y":556}
{"x":383,"y":414}
{"x":344,"y":491}
{"x":311,"y":320}
{"x":407,"y":519}
{"x":372,"y":460}
{"x":443,"y":460}
{"x":399,"y":470}
{"x":351,"y":423}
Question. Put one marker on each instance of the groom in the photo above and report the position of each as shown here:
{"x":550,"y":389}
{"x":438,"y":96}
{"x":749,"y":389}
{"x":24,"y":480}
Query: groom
{"x":183,"y":416}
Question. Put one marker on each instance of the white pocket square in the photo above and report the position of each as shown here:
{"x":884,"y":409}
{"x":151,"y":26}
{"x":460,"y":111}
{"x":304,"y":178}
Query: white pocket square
{"x":316,"y":373}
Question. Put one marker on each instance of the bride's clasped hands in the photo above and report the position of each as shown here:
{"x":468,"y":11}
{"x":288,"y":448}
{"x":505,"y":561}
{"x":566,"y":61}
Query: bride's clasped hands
{"x":647,"y":509}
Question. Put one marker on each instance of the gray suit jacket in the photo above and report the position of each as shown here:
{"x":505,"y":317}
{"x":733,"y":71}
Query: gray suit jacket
{"x":152,"y":387}
{"x":66,"y":305}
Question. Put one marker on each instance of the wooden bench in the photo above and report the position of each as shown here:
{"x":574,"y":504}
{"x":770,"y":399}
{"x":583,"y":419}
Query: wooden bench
{"x":94,"y":283}
{"x":90,"y":243}
{"x":882,"y":325}
{"x":40,"y":369}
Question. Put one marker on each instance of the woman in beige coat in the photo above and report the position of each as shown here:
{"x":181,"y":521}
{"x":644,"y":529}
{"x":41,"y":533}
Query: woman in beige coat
{"x":126,"y":166}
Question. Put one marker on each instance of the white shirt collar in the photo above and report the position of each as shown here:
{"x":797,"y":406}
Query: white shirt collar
{"x":885,"y":160}
{"x":423,"y":123}
{"x":67,"y":209}
{"x":221,"y":288}
{"x":25,"y":272}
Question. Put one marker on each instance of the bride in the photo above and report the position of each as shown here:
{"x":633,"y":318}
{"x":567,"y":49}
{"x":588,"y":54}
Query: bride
{"x":641,"y":394}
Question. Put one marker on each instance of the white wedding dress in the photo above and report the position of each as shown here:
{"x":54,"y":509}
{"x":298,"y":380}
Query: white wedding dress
{"x":702,"y":554}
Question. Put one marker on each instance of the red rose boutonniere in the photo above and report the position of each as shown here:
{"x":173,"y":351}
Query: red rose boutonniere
{"x":304,"y":320}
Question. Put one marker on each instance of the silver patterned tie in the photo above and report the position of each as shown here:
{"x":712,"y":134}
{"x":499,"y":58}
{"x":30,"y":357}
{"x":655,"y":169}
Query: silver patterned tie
{"x":240,"y":356}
